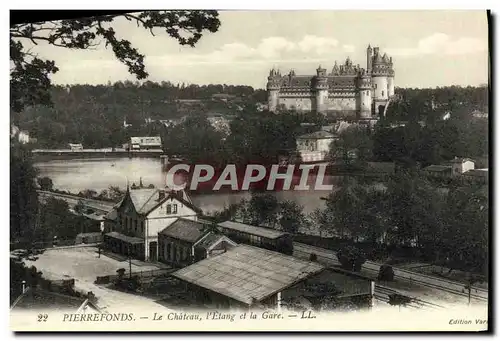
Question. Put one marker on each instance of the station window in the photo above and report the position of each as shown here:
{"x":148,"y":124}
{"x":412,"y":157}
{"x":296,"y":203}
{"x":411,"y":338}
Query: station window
{"x":174,"y":209}
{"x":169,"y":209}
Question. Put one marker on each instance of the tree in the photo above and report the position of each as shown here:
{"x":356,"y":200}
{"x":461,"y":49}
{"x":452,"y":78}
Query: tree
{"x":385,"y":273}
{"x":30,"y":75}
{"x":351,"y":258}
{"x":317,"y":221}
{"x":79,"y":207}
{"x":45,"y":183}
{"x":399,"y":300}
{"x":353,"y":139}
{"x":291,"y":216}
{"x":339,"y":215}
{"x":414,"y":211}
{"x":115,"y":194}
{"x":23,"y":195}
{"x":263,"y":209}
{"x":465,"y":229}
{"x":197,"y":140}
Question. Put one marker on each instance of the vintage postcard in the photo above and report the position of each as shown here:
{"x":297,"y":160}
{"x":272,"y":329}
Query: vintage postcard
{"x":203,"y":170}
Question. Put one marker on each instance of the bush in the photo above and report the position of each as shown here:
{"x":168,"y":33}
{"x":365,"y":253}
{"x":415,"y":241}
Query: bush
{"x":351,"y":258}
{"x":121,"y":272}
{"x":313,"y":257}
{"x":128,"y":284}
{"x":386,"y":273}
{"x":398,"y":299}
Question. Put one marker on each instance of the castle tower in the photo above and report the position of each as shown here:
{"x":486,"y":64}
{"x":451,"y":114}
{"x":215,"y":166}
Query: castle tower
{"x":369,"y":53}
{"x":390,"y":79}
{"x":364,"y":95}
{"x":273,"y":89}
{"x":321,"y":90}
{"x":380,"y":73}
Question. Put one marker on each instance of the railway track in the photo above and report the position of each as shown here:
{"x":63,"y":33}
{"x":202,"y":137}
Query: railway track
{"x":383,"y":293}
{"x":73,"y":200}
{"x":445,"y":285}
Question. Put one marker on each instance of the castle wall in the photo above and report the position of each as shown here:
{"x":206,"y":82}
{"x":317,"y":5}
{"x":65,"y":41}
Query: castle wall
{"x":300,"y":104}
{"x":364,"y":104}
{"x":380,"y":88}
{"x":390,"y":86}
{"x":272,"y":100}
{"x":322,"y":101}
{"x":341,"y":104}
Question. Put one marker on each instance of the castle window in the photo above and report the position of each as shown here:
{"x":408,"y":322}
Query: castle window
{"x":367,"y":92}
{"x":382,"y":92}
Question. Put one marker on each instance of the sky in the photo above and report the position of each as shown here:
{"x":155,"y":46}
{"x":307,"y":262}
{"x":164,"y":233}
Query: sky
{"x":429,"y":48}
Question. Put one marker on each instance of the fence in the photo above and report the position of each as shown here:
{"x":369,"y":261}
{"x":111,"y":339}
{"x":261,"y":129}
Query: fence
{"x":141,"y":274}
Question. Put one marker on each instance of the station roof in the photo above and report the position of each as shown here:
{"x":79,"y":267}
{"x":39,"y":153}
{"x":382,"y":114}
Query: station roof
{"x":253,"y":230}
{"x":185,"y":229}
{"x":248,"y":274}
{"x":125,"y":238}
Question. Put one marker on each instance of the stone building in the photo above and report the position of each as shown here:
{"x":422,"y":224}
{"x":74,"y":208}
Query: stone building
{"x":133,"y":225}
{"x":348,"y":91}
{"x":314,"y":147}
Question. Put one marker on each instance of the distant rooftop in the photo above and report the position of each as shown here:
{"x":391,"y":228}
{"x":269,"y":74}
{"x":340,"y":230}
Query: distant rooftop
{"x":321,"y":134}
{"x":248,"y":273}
{"x":251,"y":229}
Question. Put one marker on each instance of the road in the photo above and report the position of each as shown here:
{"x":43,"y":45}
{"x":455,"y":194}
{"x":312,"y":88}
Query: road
{"x":371,"y":269}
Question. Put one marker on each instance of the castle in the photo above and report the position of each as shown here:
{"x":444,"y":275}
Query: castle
{"x":347,"y":92}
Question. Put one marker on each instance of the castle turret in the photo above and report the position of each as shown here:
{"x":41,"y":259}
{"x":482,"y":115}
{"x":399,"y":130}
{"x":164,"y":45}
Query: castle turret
{"x":364,"y":95}
{"x":390,"y":79}
{"x":321,"y":89}
{"x":380,"y":73}
{"x":335,"y":70}
{"x":273,"y":89}
{"x":369,"y":59}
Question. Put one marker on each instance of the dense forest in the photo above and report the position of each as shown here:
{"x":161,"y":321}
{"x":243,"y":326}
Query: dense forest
{"x":95,"y":115}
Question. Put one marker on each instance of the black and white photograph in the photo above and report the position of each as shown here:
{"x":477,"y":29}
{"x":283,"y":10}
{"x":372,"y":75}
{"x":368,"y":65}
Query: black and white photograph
{"x":250,"y":170}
